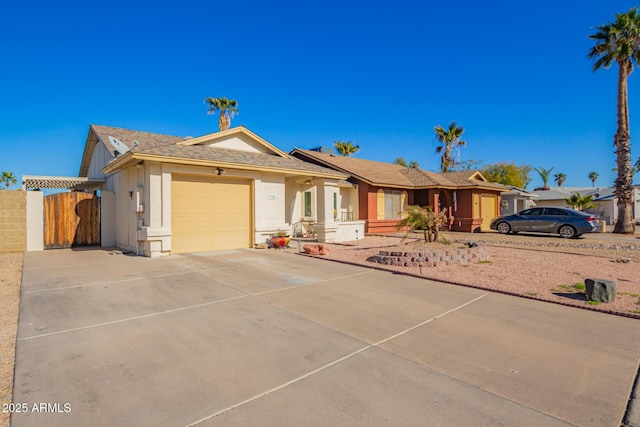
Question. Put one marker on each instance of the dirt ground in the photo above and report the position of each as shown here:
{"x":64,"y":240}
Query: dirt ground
{"x":548,"y":269}
{"x":10,"y":279}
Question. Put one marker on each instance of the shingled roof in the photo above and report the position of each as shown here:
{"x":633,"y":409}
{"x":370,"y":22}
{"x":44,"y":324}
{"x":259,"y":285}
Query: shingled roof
{"x":393,"y":175}
{"x":143,"y":144}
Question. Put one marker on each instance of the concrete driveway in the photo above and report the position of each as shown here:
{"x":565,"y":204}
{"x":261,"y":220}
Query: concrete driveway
{"x":270,"y":338}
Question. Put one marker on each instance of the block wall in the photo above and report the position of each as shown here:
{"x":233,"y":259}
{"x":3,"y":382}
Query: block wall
{"x":13,"y":221}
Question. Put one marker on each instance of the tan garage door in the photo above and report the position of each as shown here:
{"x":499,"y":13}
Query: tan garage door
{"x":488,"y":208}
{"x":209,"y":214}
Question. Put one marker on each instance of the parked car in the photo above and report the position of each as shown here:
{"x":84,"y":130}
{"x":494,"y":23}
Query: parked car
{"x":568,"y":223}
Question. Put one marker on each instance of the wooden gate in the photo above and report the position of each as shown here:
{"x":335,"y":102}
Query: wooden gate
{"x":71,"y":219}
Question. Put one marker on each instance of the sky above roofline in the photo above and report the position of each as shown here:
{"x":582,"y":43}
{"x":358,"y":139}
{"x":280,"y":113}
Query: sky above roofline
{"x":515,"y":75}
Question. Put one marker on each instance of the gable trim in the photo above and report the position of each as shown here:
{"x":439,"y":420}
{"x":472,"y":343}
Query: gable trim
{"x":212,"y":137}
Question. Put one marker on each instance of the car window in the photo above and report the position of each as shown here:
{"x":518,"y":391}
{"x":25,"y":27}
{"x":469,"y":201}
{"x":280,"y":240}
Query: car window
{"x":555,"y":212}
{"x":532,"y":212}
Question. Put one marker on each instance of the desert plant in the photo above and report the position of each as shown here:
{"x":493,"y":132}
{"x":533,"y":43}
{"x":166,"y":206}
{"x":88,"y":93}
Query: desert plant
{"x":425,"y":219}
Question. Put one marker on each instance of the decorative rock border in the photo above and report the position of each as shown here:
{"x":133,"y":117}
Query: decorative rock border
{"x":431,"y":258}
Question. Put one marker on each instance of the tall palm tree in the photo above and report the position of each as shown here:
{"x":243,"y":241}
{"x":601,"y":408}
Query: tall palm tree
{"x":226,"y":107}
{"x":560,"y":178}
{"x":8,"y":178}
{"x":544,"y":175}
{"x":449,"y":139}
{"x":346,"y":148}
{"x":593,"y":176}
{"x":619,"y":42}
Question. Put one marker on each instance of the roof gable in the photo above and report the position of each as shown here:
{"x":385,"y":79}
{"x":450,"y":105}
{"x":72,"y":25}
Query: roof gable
{"x":237,"y":138}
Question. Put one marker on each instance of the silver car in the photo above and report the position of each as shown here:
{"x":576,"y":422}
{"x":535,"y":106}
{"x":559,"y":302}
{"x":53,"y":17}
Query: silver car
{"x":568,"y":223}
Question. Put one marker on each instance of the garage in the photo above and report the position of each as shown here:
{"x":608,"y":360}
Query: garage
{"x":210,"y":213}
{"x":488,"y":207}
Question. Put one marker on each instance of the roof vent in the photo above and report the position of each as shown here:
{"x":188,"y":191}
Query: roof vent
{"x":118,"y":146}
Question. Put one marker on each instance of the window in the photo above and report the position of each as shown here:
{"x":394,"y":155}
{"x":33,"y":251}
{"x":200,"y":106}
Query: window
{"x":391,"y":204}
{"x":532,"y":212}
{"x":555,"y":212}
{"x":307,"y":204}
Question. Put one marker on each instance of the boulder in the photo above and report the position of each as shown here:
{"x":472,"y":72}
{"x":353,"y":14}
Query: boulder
{"x":315,"y":249}
{"x":600,"y":290}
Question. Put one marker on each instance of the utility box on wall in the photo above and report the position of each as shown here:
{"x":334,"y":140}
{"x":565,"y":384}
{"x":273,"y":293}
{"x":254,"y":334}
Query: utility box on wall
{"x":136,"y":197}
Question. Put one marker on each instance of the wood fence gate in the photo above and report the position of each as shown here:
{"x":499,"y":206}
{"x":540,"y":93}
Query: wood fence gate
{"x":71,"y":219}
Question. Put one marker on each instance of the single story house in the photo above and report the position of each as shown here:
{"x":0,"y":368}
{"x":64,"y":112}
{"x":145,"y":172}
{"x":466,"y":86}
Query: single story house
{"x":515,"y":200}
{"x":382,"y":191}
{"x":225,"y":190}
{"x":604,"y":199}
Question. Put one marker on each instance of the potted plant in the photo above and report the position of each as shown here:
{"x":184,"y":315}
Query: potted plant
{"x":280,"y":239}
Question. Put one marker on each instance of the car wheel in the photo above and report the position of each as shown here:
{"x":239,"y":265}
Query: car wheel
{"x":567,"y":232}
{"x":503,"y":228}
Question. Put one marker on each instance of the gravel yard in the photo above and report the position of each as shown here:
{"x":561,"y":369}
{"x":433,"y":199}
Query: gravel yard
{"x":545,"y":268}
{"x":10,"y":278}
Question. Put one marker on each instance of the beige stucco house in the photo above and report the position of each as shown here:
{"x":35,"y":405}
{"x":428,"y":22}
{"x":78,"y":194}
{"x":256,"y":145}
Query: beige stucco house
{"x":165,"y":194}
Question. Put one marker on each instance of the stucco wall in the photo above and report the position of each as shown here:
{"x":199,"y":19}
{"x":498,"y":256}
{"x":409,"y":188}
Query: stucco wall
{"x":242,"y":143}
{"x":99,"y":160}
{"x":35,"y":220}
{"x":13,"y":221}
{"x":107,"y":219}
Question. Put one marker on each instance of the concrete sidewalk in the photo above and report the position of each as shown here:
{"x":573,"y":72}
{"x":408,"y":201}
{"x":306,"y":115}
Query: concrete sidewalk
{"x":269,"y":338}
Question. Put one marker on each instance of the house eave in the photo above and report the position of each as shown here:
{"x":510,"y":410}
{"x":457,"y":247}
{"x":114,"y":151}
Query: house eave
{"x":130,"y":158}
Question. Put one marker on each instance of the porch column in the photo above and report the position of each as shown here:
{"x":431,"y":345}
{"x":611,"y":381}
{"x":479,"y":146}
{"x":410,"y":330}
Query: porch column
{"x":436,"y":202}
{"x":326,"y":226}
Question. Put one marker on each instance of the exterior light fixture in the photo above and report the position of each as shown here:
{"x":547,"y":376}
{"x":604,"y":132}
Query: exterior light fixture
{"x":220,"y":171}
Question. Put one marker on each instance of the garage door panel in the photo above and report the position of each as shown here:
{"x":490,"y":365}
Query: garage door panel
{"x":488,"y":207}
{"x":210,"y":214}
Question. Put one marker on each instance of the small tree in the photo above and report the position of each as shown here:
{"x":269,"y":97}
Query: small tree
{"x":593,"y":176}
{"x":560,"y":178}
{"x":579,"y":202}
{"x":346,"y":148}
{"x":423,"y":218}
{"x":8,"y":178}
{"x":400,"y":161}
{"x":413,"y":164}
{"x":508,"y":174}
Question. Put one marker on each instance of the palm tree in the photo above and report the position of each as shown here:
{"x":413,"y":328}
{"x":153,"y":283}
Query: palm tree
{"x":544,"y":175}
{"x":227,"y":109}
{"x":576,"y":201}
{"x":560,"y":178}
{"x":449,"y":140}
{"x":619,"y":42}
{"x":346,"y":148}
{"x":419,"y":218}
{"x":8,"y":178}
{"x":593,"y":176}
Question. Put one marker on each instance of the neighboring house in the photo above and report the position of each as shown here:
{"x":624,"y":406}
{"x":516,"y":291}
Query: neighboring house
{"x":516,"y":200}
{"x":381,"y":192}
{"x":604,"y":199}
{"x":226,"y":190}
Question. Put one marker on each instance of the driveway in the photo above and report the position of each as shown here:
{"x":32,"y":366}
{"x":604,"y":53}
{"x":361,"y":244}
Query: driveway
{"x":254,"y":337}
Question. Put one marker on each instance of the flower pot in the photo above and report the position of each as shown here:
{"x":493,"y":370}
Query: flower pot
{"x":280,"y":241}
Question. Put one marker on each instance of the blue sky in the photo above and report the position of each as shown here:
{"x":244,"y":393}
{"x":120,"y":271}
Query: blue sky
{"x":514,"y":75}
